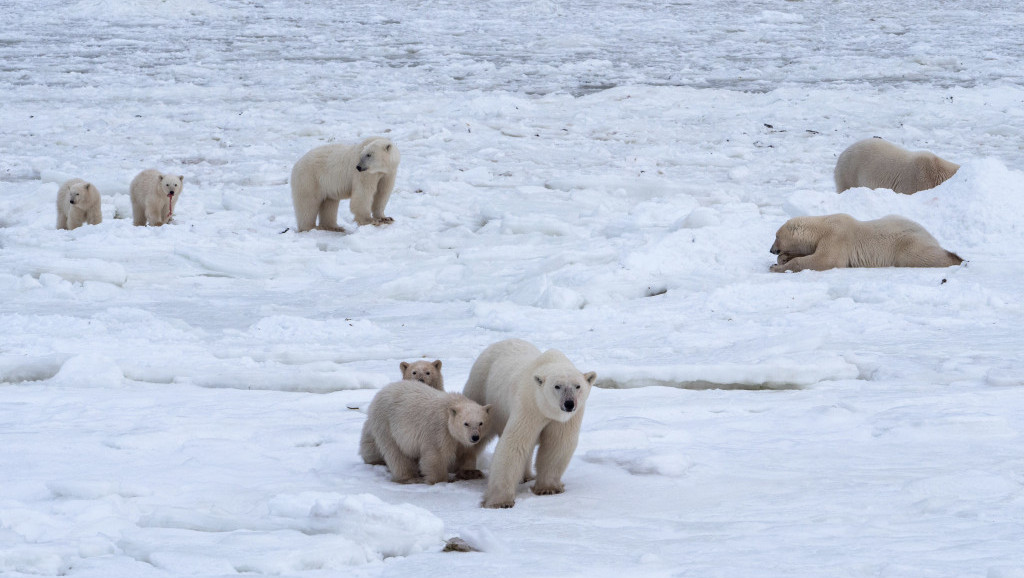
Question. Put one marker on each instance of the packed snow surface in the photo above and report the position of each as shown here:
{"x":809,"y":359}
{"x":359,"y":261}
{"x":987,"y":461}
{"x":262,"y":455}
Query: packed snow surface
{"x":601,"y":177}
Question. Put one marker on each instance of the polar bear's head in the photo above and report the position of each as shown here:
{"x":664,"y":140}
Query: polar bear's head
{"x":423,"y":371}
{"x":378,"y":155}
{"x":798,"y":237}
{"x":561,"y":395}
{"x":170,"y":185}
{"x":84,"y":196}
{"x":467,"y":420}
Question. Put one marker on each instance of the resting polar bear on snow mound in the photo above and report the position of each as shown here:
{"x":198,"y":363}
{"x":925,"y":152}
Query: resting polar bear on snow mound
{"x":878,"y":164}
{"x":839,"y":240}
{"x":364,"y":173}
{"x":538,"y":401}
{"x":78,"y":202}
{"x":419,"y":431}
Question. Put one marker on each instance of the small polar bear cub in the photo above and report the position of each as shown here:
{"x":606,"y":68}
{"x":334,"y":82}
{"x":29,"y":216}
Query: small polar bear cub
{"x":538,"y":401}
{"x":428,"y":372}
{"x":420,"y":433}
{"x":878,"y":164}
{"x":364,"y":173}
{"x":154,"y":196}
{"x":78,"y":202}
{"x":835,"y":241}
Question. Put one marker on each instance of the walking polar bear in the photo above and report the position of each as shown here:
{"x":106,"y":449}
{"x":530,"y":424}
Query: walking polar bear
{"x":78,"y":202}
{"x":154,"y":196}
{"x":878,"y":164}
{"x":428,"y":372}
{"x":839,"y":240}
{"x":538,"y":401}
{"x":422,"y":434}
{"x":364,"y":173}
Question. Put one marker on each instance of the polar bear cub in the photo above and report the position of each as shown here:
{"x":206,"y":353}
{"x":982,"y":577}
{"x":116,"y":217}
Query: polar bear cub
{"x":78,"y":202}
{"x":878,"y":164}
{"x":839,"y":240}
{"x":154,"y":196}
{"x":538,"y":401}
{"x":420,"y":431}
{"x":428,"y":372}
{"x":364,"y":173}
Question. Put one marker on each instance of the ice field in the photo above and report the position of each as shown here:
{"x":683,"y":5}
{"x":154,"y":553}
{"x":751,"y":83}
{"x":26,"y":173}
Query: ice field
{"x":604,"y":178}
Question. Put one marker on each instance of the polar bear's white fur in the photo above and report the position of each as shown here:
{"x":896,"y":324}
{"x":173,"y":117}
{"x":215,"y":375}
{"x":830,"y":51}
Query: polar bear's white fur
{"x":78,"y":202}
{"x":839,"y":240}
{"x":364,"y":173}
{"x":420,"y":433}
{"x":538,"y":400}
{"x":878,"y":164}
{"x":428,"y":372}
{"x":154,"y":196}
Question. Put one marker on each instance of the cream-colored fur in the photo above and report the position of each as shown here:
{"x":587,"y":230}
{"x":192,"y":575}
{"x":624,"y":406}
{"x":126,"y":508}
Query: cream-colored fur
{"x":878,"y":164}
{"x":364,"y":173}
{"x":839,"y":240}
{"x":420,"y":433}
{"x":78,"y":202}
{"x":538,"y":400}
{"x":428,"y":372}
{"x":154,"y":196}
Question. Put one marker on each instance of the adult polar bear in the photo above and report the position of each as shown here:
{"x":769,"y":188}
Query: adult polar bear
{"x":364,"y":173}
{"x":878,"y":164}
{"x":537,"y":401}
{"x":839,"y":240}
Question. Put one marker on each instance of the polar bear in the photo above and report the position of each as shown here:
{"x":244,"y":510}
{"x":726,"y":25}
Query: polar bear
{"x":78,"y":202}
{"x":839,"y":240}
{"x":878,"y":164}
{"x":538,"y":400}
{"x":154,"y":196}
{"x":364,"y":173}
{"x":428,"y":372}
{"x":419,"y":431}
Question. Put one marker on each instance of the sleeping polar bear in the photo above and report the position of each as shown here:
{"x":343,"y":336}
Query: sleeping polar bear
{"x":839,"y":240}
{"x":878,"y":164}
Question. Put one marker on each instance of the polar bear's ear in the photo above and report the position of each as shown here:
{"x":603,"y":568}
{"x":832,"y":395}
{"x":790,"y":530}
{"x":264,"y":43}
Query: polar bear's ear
{"x":181,"y":178}
{"x":403,"y":366}
{"x":487,"y":408}
{"x":454,"y":410}
{"x":388,"y":148}
{"x":88,"y":186}
{"x":539,"y":380}
{"x":161,"y":178}
{"x":590,"y":377}
{"x":437,"y":364}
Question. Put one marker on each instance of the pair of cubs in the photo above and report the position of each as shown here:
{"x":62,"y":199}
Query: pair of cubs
{"x":153,"y":197}
{"x":534,"y":400}
{"x":839,"y":240}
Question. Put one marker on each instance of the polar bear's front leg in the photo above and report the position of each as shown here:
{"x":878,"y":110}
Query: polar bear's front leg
{"x":557,"y":444}
{"x":362,"y":198}
{"x":818,"y":261}
{"x":380,"y":200}
{"x":511,"y":456}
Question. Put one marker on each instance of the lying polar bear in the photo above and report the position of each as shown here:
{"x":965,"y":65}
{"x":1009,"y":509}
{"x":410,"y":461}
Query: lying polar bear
{"x":878,"y":164}
{"x":839,"y":240}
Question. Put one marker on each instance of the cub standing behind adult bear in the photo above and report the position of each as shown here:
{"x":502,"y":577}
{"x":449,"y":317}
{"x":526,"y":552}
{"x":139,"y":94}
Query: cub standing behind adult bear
{"x":364,"y":173}
{"x":839,"y":240}
{"x":428,"y":372}
{"x":538,"y":400}
{"x":153,"y":197}
{"x":415,"y":429}
{"x":878,"y":164}
{"x":78,"y":202}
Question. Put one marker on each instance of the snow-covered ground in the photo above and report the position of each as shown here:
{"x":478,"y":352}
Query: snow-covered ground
{"x":600,"y":177}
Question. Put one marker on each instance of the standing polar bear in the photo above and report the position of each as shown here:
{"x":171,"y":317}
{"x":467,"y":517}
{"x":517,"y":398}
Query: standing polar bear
{"x":78,"y":202}
{"x":419,"y":431}
{"x":878,"y":164}
{"x":364,"y":173}
{"x":154,"y":196}
{"x":839,"y":240}
{"x":538,"y":401}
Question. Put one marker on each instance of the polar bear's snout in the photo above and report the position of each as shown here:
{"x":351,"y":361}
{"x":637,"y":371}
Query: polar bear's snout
{"x":474,"y":438}
{"x":360,"y":168}
{"x":568,"y":405}
{"x":775,"y":248}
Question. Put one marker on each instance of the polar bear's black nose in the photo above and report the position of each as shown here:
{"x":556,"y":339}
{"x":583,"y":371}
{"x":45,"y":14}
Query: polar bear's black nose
{"x":568,"y":405}
{"x":475,"y":438}
{"x":775,"y":249}
{"x":360,"y":168}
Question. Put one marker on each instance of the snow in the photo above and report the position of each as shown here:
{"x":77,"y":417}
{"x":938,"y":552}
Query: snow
{"x":600,"y":177}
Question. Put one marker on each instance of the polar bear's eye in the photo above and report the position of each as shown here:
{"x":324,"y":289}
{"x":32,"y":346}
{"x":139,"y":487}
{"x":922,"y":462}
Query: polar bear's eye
{"x":466,"y":424}
{"x":558,"y":387}
{"x":577,"y":387}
